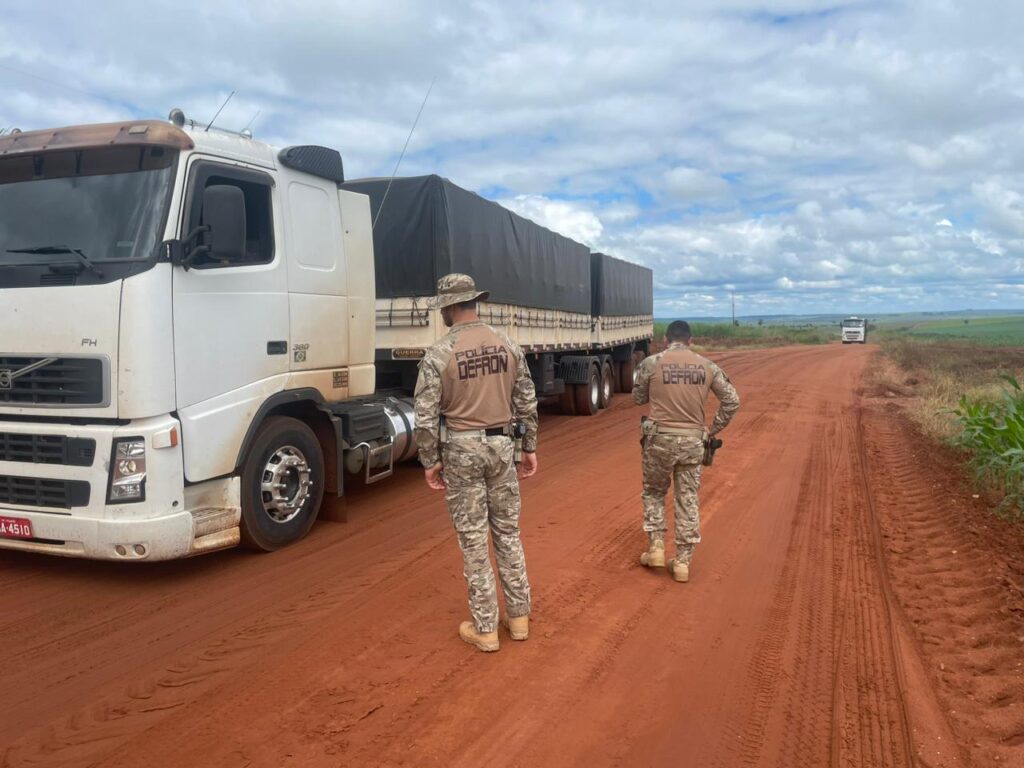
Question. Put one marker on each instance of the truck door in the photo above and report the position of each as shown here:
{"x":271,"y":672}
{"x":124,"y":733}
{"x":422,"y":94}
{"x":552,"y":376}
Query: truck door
{"x":231,"y":324}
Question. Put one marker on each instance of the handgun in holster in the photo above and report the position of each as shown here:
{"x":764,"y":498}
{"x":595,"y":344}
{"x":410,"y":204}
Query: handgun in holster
{"x":711,"y":445}
{"x":518,"y":433}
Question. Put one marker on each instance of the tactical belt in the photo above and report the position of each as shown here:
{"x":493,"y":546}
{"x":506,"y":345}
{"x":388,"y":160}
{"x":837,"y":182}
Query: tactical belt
{"x":687,"y":431}
{"x":505,"y":431}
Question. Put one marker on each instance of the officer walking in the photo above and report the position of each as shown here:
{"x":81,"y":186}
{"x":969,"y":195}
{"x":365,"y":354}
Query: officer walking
{"x":676,"y":383}
{"x":473,"y":386}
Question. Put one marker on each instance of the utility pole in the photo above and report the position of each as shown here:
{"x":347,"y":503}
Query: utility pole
{"x":734,"y":307}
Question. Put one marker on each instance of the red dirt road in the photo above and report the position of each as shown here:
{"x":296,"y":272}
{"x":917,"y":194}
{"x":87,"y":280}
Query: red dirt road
{"x":830,"y":620}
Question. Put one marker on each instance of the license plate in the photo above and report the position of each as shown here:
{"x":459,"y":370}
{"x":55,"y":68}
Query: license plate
{"x":15,"y":528}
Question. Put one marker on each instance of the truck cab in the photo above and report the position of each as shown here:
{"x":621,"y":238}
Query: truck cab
{"x":186,"y":340}
{"x":854,"y":330}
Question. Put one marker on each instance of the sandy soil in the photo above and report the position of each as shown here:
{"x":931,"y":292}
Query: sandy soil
{"x":851,"y":605}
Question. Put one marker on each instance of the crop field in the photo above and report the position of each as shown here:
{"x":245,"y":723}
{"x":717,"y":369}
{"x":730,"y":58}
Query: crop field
{"x":1002,"y":331}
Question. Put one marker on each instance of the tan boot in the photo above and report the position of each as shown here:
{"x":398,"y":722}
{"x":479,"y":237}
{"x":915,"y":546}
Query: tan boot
{"x":654,"y":557}
{"x":487,"y":642}
{"x":518,"y":627}
{"x":680,"y":571}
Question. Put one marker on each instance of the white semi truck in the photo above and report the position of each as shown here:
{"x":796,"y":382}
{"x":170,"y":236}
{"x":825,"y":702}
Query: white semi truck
{"x":190,"y":337}
{"x":854,"y":330}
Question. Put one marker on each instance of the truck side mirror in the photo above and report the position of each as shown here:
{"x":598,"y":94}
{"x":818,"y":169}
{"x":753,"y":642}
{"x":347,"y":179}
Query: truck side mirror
{"x":224,"y":216}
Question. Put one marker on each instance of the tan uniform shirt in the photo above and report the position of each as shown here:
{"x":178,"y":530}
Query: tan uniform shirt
{"x":476,"y":384}
{"x":679,"y":388}
{"x":476,"y":377}
{"x":676,"y":383}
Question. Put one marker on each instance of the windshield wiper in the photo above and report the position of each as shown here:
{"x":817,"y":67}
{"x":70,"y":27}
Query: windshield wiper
{"x":55,"y":250}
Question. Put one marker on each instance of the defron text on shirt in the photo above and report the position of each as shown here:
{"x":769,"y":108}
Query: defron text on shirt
{"x":478,"y":380}
{"x":679,"y":389}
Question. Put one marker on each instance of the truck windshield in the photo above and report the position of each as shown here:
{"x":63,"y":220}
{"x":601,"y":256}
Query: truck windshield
{"x":852,"y":323}
{"x":108,"y":203}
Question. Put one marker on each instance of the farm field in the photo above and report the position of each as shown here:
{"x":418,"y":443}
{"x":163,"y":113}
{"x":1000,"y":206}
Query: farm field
{"x":990,"y":330}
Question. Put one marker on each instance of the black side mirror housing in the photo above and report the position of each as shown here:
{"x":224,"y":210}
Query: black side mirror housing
{"x":224,"y":218}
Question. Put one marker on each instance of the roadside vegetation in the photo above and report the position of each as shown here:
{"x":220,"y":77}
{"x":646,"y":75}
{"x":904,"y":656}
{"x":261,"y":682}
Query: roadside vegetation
{"x":964,"y":394}
{"x":726,"y":335}
{"x":993,"y":436}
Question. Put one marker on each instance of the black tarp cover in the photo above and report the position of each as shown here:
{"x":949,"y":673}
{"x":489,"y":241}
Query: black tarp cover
{"x":430,"y":227}
{"x":620,"y":287}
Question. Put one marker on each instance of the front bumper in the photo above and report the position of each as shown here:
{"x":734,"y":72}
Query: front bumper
{"x":172,"y":522}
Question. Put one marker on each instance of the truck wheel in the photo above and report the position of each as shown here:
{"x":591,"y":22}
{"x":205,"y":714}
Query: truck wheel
{"x":627,"y":375}
{"x":607,"y":385}
{"x":282,"y":484}
{"x":588,"y":395}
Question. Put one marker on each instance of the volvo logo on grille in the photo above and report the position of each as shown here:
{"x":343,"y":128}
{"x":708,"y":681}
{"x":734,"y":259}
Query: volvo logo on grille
{"x":7,"y":376}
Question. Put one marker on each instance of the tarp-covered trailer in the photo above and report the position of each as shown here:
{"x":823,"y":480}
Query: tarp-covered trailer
{"x":541,"y":286}
{"x":622,"y":307}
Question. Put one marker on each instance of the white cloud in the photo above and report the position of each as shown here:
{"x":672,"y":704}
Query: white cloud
{"x":807,"y":154}
{"x":560,"y":216}
{"x":692,"y":184}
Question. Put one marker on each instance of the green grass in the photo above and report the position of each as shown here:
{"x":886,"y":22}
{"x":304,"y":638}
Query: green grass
{"x":993,"y":436}
{"x":726,"y":334}
{"x":996,"y":331}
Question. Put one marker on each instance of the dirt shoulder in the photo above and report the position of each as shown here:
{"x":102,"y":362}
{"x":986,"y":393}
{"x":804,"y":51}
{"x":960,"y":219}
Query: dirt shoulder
{"x":957,"y":573}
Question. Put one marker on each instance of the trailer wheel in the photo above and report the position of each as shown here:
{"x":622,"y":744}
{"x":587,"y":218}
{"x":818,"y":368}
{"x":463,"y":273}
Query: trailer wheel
{"x":567,"y":400}
{"x":627,"y":375}
{"x":607,"y":385}
{"x":588,"y":395}
{"x":282,"y":484}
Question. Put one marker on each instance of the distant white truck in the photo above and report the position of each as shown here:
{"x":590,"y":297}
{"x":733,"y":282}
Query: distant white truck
{"x":854,"y":330}
{"x":198,"y":341}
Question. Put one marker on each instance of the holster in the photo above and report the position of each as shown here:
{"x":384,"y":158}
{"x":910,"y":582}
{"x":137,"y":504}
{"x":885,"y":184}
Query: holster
{"x":711,"y":444}
{"x":518,"y":433}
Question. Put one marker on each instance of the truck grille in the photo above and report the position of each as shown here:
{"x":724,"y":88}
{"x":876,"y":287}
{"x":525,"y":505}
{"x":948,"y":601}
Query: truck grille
{"x":40,"y":492}
{"x":64,"y":381}
{"x":47,"y":449}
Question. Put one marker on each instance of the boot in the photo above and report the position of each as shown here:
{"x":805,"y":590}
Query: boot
{"x":654,"y":557}
{"x":680,"y":571}
{"x":487,"y":642}
{"x":518,"y":627}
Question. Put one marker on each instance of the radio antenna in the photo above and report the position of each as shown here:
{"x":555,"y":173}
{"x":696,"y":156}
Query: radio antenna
{"x":219,"y":111}
{"x":397,"y":164}
{"x":249,"y":124}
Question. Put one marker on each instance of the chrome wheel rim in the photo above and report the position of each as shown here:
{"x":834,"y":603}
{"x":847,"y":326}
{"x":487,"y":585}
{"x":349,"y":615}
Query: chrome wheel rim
{"x":285,"y":484}
{"x":595,"y":393}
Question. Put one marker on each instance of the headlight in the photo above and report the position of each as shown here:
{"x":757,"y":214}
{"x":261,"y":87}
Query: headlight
{"x":127,"y":471}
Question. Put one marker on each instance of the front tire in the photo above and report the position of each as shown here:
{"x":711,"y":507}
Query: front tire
{"x":282,"y":484}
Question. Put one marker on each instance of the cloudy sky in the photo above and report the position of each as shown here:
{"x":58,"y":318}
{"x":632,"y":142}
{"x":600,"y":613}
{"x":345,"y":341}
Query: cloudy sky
{"x":811,"y":156}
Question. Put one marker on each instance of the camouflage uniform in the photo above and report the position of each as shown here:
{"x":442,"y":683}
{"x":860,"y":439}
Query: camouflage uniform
{"x":482,"y":486}
{"x":668,"y":457}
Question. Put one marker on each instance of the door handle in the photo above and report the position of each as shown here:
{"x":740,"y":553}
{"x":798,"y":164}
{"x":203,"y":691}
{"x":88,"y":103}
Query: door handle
{"x":277,"y":347}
